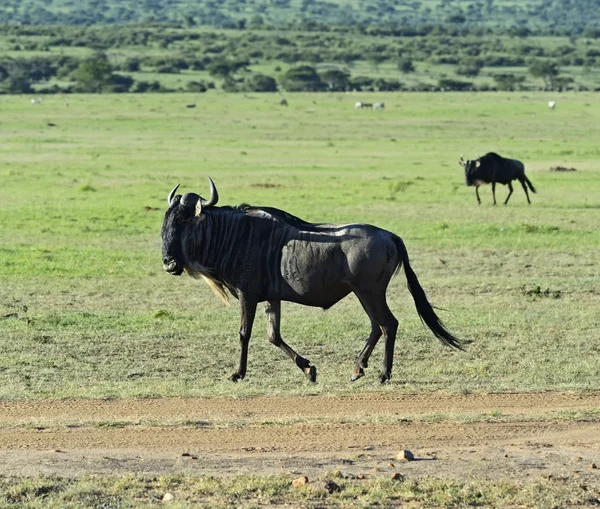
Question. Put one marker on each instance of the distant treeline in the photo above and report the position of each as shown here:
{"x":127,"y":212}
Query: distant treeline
{"x":398,"y":17}
{"x":115,"y":53}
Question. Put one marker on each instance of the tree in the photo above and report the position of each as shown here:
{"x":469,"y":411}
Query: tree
{"x":469,"y":67}
{"x":507,"y":81}
{"x":406,"y":65}
{"x":226,"y":69}
{"x":261,"y":83}
{"x":17,"y":83}
{"x":303,"y":78}
{"x":546,"y":70}
{"x":376,"y":58}
{"x":94,"y":73}
{"x":336,"y":79}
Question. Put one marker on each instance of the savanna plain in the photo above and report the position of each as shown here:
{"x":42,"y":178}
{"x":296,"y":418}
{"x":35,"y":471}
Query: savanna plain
{"x":113,"y":374}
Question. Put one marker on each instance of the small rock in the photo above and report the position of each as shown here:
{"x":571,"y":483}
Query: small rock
{"x":168,"y":497}
{"x":506,"y":455}
{"x":391,"y":465}
{"x":405,"y":455}
{"x":361,"y":476}
{"x":375,"y":469}
{"x":593,"y":466}
{"x":338,"y":474}
{"x":328,"y":485}
{"x":301,"y":481}
{"x":397,"y":476}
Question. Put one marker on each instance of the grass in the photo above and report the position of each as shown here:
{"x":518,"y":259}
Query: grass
{"x":253,"y":491}
{"x":86,"y":311}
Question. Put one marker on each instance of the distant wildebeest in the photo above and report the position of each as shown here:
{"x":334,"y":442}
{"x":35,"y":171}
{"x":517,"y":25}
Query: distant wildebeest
{"x":190,"y":106}
{"x":283,"y":102}
{"x":361,"y":105}
{"x":263,"y":254}
{"x":495,"y":169}
{"x":379,"y":106}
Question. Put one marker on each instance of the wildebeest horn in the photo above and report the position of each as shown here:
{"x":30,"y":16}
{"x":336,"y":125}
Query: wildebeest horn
{"x":214,"y":195}
{"x":461,"y":161}
{"x":171,"y":194}
{"x":189,"y":200}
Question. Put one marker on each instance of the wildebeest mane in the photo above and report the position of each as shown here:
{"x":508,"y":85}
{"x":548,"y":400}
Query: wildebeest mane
{"x":277,"y":214}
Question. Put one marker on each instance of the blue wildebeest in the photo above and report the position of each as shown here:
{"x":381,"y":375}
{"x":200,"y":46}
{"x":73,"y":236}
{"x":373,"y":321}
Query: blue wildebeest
{"x":495,"y":169}
{"x":263,"y":254}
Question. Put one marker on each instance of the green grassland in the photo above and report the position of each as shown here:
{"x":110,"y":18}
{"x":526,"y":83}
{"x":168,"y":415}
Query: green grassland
{"x":86,"y":310}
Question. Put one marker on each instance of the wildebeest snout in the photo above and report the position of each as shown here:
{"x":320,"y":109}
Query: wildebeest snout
{"x":171,"y":267}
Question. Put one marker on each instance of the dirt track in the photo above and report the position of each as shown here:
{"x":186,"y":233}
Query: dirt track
{"x":511,"y":435}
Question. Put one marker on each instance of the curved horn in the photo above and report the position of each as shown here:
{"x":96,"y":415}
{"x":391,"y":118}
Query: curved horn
{"x":172,"y":194}
{"x":214,"y":195}
{"x":189,"y":200}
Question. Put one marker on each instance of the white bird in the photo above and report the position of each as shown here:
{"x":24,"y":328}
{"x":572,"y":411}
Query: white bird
{"x":552,"y":104}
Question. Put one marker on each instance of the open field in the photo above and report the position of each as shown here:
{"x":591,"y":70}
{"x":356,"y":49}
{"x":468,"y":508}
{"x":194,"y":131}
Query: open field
{"x":86,"y":311}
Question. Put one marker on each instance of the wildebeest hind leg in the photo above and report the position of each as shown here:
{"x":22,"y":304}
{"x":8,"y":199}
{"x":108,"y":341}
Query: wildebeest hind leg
{"x":526,"y":192}
{"x":248,"y":308}
{"x":494,"y":191}
{"x":362,"y":360}
{"x":510,"y":191}
{"x":273,"y":312}
{"x":376,"y":307}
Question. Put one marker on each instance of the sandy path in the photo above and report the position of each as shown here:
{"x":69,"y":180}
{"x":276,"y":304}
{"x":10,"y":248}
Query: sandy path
{"x":484,"y":435}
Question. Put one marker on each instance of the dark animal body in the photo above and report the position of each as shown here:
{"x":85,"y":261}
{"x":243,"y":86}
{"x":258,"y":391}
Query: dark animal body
{"x":264,"y":254}
{"x":495,"y":169}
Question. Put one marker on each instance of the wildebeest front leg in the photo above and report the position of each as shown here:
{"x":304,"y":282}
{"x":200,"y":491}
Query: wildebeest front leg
{"x":248,"y":308}
{"x":510,"y":191}
{"x":273,"y":311}
{"x":477,"y":194}
{"x":494,"y":191}
{"x":362,"y":361}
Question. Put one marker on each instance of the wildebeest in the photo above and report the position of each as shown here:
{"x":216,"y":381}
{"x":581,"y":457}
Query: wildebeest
{"x":264,"y":254}
{"x":492,"y":168}
{"x":361,"y":105}
{"x":379,"y":106}
{"x":283,"y":102}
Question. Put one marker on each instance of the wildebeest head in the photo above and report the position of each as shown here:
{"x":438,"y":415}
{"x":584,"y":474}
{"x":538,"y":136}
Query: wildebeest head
{"x":470,"y":165}
{"x":181,"y":210}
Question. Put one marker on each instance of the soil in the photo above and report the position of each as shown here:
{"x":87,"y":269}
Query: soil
{"x":482,"y":435}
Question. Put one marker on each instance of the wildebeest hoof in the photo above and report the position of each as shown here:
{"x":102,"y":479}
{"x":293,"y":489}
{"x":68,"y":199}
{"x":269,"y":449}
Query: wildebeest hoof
{"x":384,"y":378}
{"x":358,"y":373}
{"x":236,"y":377}
{"x":311,"y":373}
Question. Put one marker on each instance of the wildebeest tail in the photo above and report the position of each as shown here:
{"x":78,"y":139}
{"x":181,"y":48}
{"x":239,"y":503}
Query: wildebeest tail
{"x":424,"y":309}
{"x":529,"y":184}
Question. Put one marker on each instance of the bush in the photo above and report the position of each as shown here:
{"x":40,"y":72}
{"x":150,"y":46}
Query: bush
{"x":167,"y":69}
{"x":456,"y":85}
{"x":146,"y":86}
{"x":301,"y":79}
{"x":196,"y":86}
{"x":261,"y":83}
